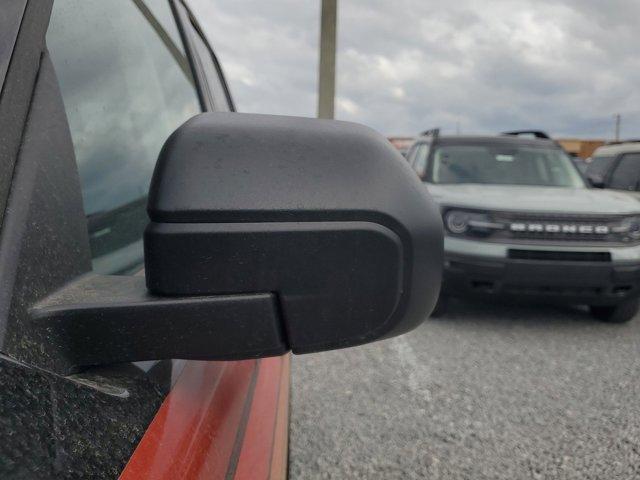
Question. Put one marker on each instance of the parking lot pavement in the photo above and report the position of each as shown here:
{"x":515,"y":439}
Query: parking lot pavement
{"x":490,"y":391}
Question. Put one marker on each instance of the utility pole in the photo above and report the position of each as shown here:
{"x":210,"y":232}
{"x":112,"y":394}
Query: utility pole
{"x":617,"y":117}
{"x":327,"y":67}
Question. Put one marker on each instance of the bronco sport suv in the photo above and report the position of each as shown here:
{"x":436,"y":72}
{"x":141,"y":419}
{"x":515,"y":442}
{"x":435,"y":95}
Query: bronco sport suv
{"x":521,"y":221}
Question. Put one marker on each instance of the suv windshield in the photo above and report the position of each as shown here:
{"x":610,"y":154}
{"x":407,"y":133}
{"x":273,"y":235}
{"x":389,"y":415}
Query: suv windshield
{"x":503,"y":165}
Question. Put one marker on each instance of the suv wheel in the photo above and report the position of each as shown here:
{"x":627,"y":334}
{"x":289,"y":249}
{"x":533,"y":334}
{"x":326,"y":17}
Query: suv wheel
{"x":620,"y":313}
{"x":441,"y":307}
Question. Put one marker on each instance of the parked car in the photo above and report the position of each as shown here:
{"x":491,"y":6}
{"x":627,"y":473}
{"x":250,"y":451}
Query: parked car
{"x":402,"y":144}
{"x":580,"y":164}
{"x":616,"y":166}
{"x":521,"y":221}
{"x":259,"y":235}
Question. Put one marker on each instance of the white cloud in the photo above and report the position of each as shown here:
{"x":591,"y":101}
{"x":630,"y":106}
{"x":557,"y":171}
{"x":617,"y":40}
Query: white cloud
{"x":347,"y":106}
{"x":561,"y":65}
{"x":398,"y":93}
{"x":237,"y":72}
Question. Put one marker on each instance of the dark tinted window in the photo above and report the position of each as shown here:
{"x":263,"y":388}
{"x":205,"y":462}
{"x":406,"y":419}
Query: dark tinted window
{"x":126,"y":86}
{"x":600,"y":165}
{"x":626,"y":173}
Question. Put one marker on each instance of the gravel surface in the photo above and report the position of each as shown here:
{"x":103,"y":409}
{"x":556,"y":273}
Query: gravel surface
{"x":491,"y":391}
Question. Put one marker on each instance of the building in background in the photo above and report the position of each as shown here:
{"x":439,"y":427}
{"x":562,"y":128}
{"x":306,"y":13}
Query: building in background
{"x":580,"y":147}
{"x":402,"y":143}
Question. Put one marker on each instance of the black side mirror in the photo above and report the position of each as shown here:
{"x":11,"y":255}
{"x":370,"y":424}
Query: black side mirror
{"x":324,"y":215}
{"x":267,"y":234}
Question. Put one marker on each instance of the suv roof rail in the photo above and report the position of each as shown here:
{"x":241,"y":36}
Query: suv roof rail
{"x":434,"y":132}
{"x":535,"y":133}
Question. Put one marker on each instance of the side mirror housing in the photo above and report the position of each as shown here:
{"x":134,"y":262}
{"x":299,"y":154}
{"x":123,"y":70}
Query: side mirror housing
{"x":267,"y":234}
{"x":325,"y":215}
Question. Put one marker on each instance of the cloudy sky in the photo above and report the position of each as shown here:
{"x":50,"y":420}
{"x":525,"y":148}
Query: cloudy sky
{"x":565,"y":66}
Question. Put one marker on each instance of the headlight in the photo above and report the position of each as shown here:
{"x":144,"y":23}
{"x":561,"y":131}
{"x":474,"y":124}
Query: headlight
{"x":628,"y":230}
{"x":456,"y":221}
{"x":459,"y":222}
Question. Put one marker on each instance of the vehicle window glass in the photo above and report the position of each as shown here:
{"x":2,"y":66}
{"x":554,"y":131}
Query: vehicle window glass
{"x":626,"y":173}
{"x":158,"y":13}
{"x":420,"y":162}
{"x":599,"y":165}
{"x":504,"y":165}
{"x":126,"y":86}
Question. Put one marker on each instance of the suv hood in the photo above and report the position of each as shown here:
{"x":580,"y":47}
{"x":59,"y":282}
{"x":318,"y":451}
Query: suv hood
{"x":534,"y":199}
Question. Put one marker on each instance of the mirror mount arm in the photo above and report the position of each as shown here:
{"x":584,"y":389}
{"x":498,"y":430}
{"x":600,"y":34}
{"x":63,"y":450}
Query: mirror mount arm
{"x":99,"y":319}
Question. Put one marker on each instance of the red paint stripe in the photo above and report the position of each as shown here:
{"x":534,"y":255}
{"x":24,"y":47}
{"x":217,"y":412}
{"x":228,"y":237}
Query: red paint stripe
{"x":254,"y":462}
{"x":280,"y":455}
{"x":193,"y":434}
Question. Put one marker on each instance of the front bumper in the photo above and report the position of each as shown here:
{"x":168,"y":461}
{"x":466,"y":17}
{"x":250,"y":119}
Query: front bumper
{"x":479,"y":269}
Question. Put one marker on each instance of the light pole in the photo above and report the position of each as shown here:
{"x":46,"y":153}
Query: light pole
{"x":327,"y":67}
{"x":617,"y":117}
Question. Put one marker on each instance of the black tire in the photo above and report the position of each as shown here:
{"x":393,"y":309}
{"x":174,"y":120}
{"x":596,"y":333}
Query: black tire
{"x":623,"y":312}
{"x":441,"y":307}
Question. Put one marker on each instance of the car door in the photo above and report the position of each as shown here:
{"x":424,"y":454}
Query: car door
{"x":90,"y":90}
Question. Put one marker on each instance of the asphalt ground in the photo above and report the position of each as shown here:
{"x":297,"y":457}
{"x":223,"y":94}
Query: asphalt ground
{"x":490,"y":391}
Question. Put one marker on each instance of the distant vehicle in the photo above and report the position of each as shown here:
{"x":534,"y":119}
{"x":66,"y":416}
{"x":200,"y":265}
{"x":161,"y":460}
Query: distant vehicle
{"x":580,"y":164}
{"x":521,"y":221}
{"x":402,"y":143}
{"x":616,"y":166}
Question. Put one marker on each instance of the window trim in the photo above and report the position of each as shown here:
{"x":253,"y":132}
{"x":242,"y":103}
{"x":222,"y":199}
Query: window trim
{"x":10,"y":23}
{"x":188,"y":26}
{"x":24,"y":26}
{"x":181,"y":60}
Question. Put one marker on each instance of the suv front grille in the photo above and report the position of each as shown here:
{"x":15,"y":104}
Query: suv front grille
{"x":556,"y":227}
